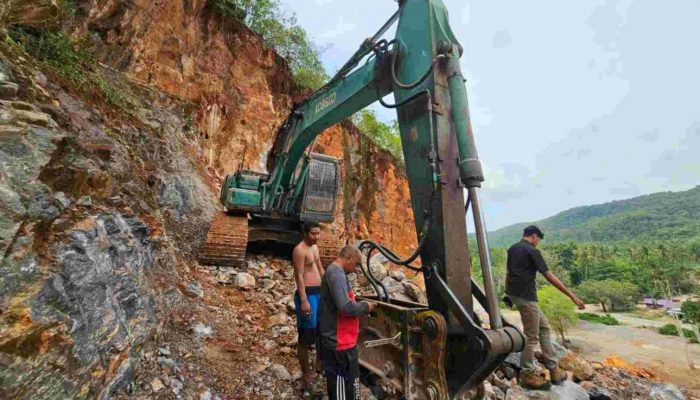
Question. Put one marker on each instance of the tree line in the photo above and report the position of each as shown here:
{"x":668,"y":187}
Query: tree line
{"x":615,"y":275}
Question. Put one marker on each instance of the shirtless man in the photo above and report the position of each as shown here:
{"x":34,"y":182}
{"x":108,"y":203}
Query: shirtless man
{"x":308,"y":272}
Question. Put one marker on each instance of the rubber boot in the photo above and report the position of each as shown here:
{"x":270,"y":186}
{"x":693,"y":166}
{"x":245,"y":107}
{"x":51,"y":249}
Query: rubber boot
{"x":534,"y":380}
{"x":557,"y":376}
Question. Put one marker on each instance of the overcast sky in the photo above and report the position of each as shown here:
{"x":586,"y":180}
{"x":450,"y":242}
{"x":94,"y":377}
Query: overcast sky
{"x":573,"y":102}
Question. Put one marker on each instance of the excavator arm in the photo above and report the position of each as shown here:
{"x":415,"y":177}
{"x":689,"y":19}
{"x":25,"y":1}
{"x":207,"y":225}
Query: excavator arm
{"x":436,"y":351}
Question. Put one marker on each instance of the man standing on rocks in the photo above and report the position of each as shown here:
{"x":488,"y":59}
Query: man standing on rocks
{"x":524,"y":260}
{"x":340,"y":326}
{"x":308,"y":272}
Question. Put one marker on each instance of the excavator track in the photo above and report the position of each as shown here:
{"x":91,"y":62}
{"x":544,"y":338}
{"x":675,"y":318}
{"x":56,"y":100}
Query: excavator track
{"x":328,"y":247}
{"x":226,"y":241}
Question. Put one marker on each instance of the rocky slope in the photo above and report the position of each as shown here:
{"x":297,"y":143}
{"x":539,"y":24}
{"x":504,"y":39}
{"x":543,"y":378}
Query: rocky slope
{"x":108,"y":181}
{"x":108,"y":184}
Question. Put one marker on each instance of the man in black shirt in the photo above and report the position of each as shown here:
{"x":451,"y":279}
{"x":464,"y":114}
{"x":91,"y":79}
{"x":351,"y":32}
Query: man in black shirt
{"x":524,"y":260}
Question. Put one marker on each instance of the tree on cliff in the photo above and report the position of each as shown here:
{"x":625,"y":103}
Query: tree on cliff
{"x":282,"y":33}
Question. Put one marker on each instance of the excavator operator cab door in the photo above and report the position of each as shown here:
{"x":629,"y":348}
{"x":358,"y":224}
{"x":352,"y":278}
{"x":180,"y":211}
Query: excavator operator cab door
{"x":320,"y":189}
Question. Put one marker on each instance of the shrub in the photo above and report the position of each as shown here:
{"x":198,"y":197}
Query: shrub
{"x":560,"y":311}
{"x":282,"y":33}
{"x":606,"y":319}
{"x":385,"y":136}
{"x":691,"y":311}
{"x":672,"y":330}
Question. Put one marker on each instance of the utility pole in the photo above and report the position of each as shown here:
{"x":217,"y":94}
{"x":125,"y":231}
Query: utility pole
{"x":679,"y":326}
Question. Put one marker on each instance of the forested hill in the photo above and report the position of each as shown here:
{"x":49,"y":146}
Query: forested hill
{"x":658,"y":216}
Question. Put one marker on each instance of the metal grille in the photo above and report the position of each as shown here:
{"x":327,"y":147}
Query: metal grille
{"x":321,"y":187}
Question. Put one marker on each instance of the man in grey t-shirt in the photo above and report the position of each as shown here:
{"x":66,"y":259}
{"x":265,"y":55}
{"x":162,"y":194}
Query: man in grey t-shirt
{"x":340,"y":326}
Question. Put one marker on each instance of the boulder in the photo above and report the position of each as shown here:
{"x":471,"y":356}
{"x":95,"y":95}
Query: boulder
{"x":566,"y":391}
{"x":397,"y":274}
{"x":244,"y":281}
{"x":414,"y":292}
{"x":665,"y":392}
{"x":280,"y":372}
{"x":581,"y":368}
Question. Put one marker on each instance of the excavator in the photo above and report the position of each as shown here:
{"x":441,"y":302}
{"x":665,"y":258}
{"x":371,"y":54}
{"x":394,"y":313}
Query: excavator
{"x":435,"y":351}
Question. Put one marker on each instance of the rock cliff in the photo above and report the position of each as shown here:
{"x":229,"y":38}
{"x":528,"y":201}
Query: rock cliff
{"x":109,"y":177}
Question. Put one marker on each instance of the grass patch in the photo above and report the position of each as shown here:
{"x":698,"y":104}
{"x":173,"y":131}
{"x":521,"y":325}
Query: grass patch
{"x":70,"y":59}
{"x":606,"y":319}
{"x":672,"y":330}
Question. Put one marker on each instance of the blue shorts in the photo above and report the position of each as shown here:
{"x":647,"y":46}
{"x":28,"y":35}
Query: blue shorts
{"x":307,"y":325}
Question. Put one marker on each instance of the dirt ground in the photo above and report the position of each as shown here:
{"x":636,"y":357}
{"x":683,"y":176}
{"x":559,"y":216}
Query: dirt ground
{"x":664,"y":356}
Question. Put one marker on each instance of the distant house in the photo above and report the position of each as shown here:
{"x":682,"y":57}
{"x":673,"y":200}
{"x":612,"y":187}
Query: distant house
{"x":666,"y":304}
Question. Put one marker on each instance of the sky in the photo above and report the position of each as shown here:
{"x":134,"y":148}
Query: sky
{"x":572,"y":103}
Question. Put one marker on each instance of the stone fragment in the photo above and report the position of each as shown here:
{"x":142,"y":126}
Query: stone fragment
{"x":665,"y":391}
{"x":8,"y":90}
{"x":195,"y":289}
{"x":414,"y":292}
{"x":280,"y":372}
{"x":278,"y":319}
{"x":85,"y":201}
{"x":202,"y":331}
{"x":244,"y":281}
{"x":397,"y":274}
{"x":61,"y":200}
{"x":157,"y":385}
{"x":581,"y":368}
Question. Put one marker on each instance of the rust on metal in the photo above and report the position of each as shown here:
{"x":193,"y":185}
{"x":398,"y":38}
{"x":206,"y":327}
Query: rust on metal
{"x":404,"y":343}
{"x":226,"y":241}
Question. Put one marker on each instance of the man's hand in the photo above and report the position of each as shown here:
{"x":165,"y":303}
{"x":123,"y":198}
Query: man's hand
{"x":581,"y":305}
{"x":371,"y":306}
{"x":305,"y":308}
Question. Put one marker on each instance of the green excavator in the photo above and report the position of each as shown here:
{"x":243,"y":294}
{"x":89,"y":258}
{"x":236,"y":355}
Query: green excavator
{"x":441,"y":350}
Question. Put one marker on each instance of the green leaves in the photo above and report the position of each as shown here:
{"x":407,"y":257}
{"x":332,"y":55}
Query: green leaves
{"x":282,"y":33}
{"x":617,"y":295}
{"x":560,"y":311}
{"x":385,"y":136}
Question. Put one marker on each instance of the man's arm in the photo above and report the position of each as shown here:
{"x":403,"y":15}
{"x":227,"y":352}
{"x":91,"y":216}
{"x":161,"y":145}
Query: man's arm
{"x":298,"y":261}
{"x":317,"y":261}
{"x":339,"y":291}
{"x":562,"y":288}
{"x":544,"y":270}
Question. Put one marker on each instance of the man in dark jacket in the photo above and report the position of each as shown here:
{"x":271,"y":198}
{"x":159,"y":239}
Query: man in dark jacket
{"x":340,"y":325}
{"x":524,"y":261}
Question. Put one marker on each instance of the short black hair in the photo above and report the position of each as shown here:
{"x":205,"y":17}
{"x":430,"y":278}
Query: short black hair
{"x":533,"y":230}
{"x":307,"y":226}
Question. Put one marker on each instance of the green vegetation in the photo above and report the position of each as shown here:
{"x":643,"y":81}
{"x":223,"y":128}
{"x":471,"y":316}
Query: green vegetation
{"x":606,"y":319}
{"x":691,"y":311}
{"x":651,"y":218}
{"x":558,"y":308}
{"x":384,"y":136}
{"x":672,"y":330}
{"x":281,"y":32}
{"x":68,"y":58}
{"x":613,"y":294}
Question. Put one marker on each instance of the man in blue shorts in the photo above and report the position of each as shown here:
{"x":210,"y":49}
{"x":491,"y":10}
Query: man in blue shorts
{"x":308,"y":272}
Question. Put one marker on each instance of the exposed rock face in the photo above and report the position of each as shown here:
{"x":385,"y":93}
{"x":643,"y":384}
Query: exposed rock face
{"x":240,"y":92}
{"x":88,"y":319}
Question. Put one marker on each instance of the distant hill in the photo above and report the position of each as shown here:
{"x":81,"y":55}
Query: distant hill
{"x":666,"y":215}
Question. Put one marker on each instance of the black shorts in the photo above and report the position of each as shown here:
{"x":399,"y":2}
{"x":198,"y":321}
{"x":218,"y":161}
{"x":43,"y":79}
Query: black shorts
{"x":342,"y":373}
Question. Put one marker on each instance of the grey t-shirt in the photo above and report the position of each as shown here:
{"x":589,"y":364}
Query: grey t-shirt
{"x":339,"y":322}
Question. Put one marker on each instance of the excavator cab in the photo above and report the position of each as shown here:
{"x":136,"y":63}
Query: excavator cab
{"x":320,"y":189}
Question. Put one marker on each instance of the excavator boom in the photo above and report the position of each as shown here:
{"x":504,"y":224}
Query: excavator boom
{"x":436,"y":351}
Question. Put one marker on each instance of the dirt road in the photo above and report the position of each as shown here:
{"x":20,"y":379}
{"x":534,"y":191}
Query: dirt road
{"x":645,"y":348}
